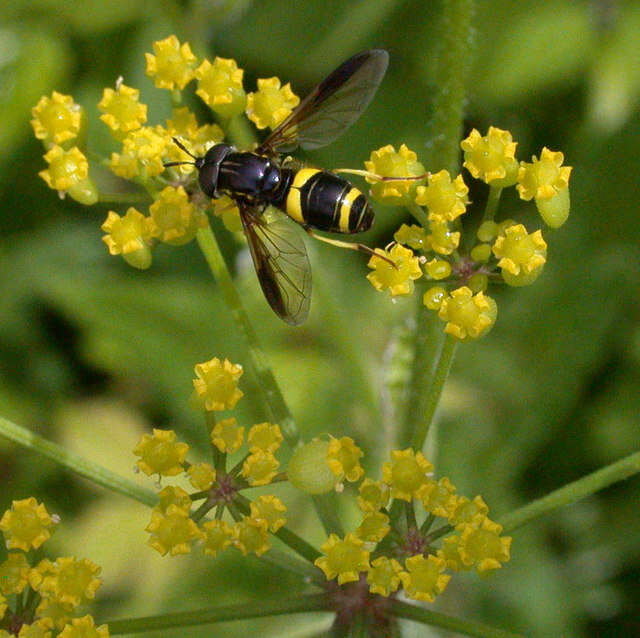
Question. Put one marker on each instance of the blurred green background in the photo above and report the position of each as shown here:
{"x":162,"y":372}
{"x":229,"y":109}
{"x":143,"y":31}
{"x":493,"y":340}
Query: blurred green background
{"x":93,"y":353}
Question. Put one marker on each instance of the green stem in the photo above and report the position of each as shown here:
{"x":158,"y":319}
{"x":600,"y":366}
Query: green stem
{"x":254,"y":609}
{"x":618,"y":471}
{"x":452,"y":62}
{"x":297,"y":544}
{"x":419,"y":213}
{"x":454,"y":34}
{"x":430,"y":400}
{"x":285,"y":561}
{"x":325,"y":506}
{"x":492,"y":203}
{"x":90,"y":470}
{"x":271,"y":394}
{"x":123,"y":198}
{"x":427,"y":617}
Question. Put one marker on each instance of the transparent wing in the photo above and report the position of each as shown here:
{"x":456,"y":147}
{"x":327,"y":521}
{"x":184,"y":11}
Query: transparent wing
{"x":332,"y":107}
{"x":280,"y":259}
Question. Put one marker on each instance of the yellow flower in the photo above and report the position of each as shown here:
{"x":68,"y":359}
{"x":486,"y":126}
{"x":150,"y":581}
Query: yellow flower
{"x":142,"y":152}
{"x":398,"y":279}
{"x":442,"y":239}
{"x":201,"y":475}
{"x":439,"y":497}
{"x":36,"y":629}
{"x":173,"y":218}
{"x":468,"y":316}
{"x":446,"y":200}
{"x":384,"y":576}
{"x":406,"y":473}
{"x":26,"y":525}
{"x":374,"y":495}
{"x":183,"y":123}
{"x":264,"y":436}
{"x":374,"y":527}
{"x":71,"y":581}
{"x":172,"y":532}
{"x":424,"y":579}
{"x":160,"y":453}
{"x":121,"y":110}
{"x":57,"y":119}
{"x":260,"y":467}
{"x":172,"y":65}
{"x":128,"y":236}
{"x":343,"y":558}
{"x":434,"y":297}
{"x":450,"y":554}
{"x":55,"y":612}
{"x":172,"y":495}
{"x":220,"y":86}
{"x":3,"y":605}
{"x":217,"y":384}
{"x":270,"y":509}
{"x":521,"y":255}
{"x":14,"y":574}
{"x":84,"y":627}
{"x":467,"y":511}
{"x":217,"y":536}
{"x":251,"y":535}
{"x":69,"y":172}
{"x":438,"y":269}
{"x":482,"y":546}
{"x":343,"y":458}
{"x":491,"y":158}
{"x":227,"y":435}
{"x":386,"y":162}
{"x":544,"y":177}
{"x":271,"y":104}
{"x":413,"y":236}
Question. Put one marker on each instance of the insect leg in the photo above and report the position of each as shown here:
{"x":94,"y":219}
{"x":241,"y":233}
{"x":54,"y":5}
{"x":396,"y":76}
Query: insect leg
{"x":350,"y":245}
{"x":381,"y":178}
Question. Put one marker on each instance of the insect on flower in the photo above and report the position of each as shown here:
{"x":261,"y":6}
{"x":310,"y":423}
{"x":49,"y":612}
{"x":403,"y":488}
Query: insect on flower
{"x":314,"y":198}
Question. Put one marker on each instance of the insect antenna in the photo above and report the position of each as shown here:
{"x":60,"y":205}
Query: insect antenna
{"x":180,"y":145}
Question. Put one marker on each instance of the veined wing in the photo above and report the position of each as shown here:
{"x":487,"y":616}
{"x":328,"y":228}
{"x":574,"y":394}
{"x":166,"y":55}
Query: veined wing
{"x":280,"y":259}
{"x":332,"y":107}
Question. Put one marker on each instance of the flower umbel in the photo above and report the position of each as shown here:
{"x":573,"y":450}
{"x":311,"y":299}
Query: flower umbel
{"x":55,"y":588}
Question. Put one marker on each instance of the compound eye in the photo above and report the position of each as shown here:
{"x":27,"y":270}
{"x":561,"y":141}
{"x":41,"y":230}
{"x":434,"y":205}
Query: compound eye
{"x":208,"y":178}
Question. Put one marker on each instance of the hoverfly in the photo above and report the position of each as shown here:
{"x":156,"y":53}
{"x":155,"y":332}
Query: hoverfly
{"x":314,"y":198}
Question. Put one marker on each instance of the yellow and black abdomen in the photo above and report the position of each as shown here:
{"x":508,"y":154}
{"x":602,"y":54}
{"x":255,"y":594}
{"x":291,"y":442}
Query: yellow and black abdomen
{"x":323,"y":200}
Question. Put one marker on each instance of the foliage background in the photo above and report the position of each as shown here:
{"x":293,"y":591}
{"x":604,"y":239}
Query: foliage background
{"x":93,"y":353}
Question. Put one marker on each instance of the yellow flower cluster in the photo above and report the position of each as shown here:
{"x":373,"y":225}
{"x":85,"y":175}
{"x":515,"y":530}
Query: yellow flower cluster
{"x":391,"y":549}
{"x":505,"y":251}
{"x":55,"y":589}
{"x":174,"y":526}
{"x":175,"y":214}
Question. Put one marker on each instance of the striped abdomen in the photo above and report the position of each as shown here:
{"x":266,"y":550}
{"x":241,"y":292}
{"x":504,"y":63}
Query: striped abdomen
{"x":324,"y":201}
